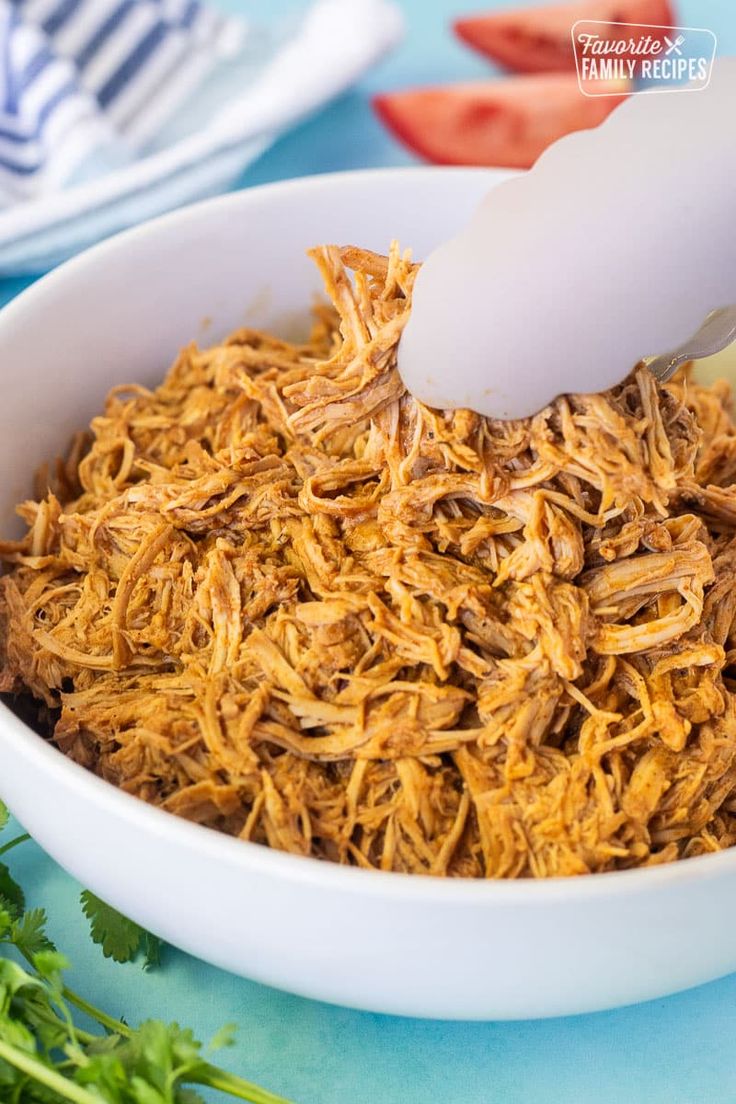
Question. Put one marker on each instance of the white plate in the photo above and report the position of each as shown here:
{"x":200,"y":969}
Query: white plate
{"x":385,"y":942}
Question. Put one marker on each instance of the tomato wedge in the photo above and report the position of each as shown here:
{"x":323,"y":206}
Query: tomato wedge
{"x":505,"y":123}
{"x":538,"y":40}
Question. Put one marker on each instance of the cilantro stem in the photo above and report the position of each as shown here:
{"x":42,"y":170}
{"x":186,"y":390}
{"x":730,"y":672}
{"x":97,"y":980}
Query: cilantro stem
{"x":42,"y":1074}
{"x":213,"y":1077}
{"x":216,"y":1078}
{"x":14,"y":843}
{"x":52,"y":1017}
{"x":116,"y":1026}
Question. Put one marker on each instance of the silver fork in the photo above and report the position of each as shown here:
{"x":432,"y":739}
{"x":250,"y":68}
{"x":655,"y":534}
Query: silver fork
{"x":718,"y":331}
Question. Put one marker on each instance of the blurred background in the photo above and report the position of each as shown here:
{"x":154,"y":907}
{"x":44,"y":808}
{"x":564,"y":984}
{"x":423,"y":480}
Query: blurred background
{"x":348,"y":134}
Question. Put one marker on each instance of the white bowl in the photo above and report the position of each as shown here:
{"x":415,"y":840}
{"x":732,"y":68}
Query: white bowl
{"x":385,"y":942}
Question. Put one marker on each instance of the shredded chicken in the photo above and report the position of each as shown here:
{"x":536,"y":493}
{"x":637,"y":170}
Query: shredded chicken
{"x":280,"y":597}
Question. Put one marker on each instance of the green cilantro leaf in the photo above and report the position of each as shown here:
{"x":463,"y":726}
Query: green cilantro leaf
{"x":13,"y":977}
{"x":4,"y":814}
{"x":105,"y":1072}
{"x":120,"y":938}
{"x":145,"y":1093}
{"x":28,"y":933}
{"x":6,"y":923}
{"x":225,"y":1037}
{"x":49,"y":965}
{"x":12,"y":897}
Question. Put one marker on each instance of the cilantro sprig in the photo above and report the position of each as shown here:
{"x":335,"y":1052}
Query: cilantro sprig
{"x":45,"y":1058}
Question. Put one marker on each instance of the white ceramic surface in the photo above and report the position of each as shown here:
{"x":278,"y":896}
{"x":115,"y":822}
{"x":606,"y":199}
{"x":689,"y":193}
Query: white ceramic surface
{"x":386,"y":942}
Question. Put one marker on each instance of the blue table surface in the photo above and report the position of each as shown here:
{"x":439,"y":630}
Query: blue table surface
{"x":675,"y":1051}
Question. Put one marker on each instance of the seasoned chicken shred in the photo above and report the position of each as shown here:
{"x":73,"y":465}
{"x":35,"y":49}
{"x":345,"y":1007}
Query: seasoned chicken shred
{"x":278,"y":596}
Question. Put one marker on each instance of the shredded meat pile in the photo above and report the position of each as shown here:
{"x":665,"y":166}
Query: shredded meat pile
{"x":280,"y":597}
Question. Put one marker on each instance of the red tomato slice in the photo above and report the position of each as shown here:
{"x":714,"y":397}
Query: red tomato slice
{"x":538,"y":40}
{"x":505,"y":123}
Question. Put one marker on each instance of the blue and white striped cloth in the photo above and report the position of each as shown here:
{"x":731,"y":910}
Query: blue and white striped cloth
{"x":102,"y":77}
{"x":112,"y":110}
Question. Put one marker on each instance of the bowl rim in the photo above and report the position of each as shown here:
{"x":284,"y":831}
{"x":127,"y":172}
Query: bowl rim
{"x":192,"y":211}
{"x":246,"y":856}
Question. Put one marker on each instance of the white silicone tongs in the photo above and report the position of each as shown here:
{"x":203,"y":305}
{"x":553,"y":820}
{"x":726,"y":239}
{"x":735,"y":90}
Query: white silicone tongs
{"x":618,"y":245}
